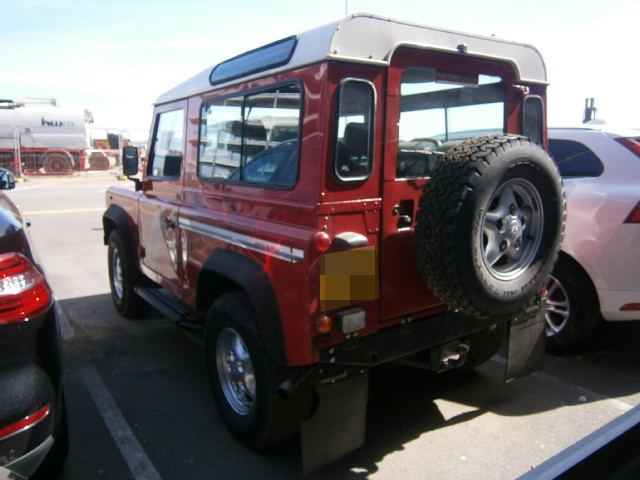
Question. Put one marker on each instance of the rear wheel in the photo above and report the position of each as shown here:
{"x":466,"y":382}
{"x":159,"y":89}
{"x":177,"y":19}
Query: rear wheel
{"x":245,"y":381}
{"x":58,"y":162}
{"x":122,"y":274}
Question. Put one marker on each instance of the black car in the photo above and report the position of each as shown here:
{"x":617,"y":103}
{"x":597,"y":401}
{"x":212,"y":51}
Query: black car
{"x":33,"y":426}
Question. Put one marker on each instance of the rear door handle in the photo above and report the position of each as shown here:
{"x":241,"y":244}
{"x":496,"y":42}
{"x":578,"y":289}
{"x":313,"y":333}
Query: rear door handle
{"x":404,"y":221}
{"x":404,"y":212}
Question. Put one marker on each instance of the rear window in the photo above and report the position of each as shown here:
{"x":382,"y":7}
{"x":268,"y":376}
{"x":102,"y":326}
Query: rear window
{"x":439,"y":109}
{"x":574,"y":159}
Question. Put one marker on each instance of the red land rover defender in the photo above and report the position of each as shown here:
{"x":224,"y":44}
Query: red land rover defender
{"x":367,"y":191}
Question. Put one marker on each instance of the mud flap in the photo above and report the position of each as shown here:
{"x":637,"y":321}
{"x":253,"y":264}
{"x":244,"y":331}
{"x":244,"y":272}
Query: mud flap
{"x":526,"y":342}
{"x":337,"y":426}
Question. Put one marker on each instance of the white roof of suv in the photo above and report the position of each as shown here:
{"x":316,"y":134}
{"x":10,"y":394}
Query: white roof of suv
{"x":367,"y":38}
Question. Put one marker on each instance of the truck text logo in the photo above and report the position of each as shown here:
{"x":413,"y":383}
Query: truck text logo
{"x":56,"y":123}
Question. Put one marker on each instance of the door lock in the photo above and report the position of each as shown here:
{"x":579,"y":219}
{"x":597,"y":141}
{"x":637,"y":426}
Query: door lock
{"x":404,"y":212}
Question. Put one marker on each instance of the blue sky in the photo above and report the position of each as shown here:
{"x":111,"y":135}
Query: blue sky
{"x":115,"y":57}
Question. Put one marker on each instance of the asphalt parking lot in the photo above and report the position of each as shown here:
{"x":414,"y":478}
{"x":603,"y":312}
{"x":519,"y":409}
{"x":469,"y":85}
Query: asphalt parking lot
{"x":140,"y":407}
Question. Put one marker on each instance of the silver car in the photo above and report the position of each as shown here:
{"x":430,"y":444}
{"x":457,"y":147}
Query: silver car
{"x":598,"y":272}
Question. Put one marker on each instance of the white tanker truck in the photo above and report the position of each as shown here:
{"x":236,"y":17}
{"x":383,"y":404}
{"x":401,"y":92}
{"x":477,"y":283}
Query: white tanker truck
{"x":38,"y":137}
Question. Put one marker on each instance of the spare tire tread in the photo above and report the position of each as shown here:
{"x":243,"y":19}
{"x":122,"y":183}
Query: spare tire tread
{"x":445,"y":197}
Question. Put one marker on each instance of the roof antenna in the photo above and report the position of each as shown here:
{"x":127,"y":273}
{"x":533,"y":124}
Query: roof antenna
{"x":589,"y":110}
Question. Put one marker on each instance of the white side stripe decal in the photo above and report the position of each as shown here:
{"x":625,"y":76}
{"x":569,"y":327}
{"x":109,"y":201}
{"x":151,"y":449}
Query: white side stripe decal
{"x":272,"y":249}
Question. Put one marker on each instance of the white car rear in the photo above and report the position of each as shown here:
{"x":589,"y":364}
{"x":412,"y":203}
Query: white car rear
{"x":598,"y":272}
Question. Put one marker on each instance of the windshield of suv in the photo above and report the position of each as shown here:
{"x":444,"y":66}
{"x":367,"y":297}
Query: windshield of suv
{"x":440,"y":108}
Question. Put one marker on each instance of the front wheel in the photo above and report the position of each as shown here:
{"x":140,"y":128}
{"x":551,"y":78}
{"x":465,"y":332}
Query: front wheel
{"x":245,"y":381}
{"x":122,"y":274}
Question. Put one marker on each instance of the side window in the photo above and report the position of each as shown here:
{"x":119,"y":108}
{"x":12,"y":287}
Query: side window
{"x":354,"y":142}
{"x":221,"y":138}
{"x":270,"y":148}
{"x":574,"y":159}
{"x":168,"y":145}
{"x":252,"y":139}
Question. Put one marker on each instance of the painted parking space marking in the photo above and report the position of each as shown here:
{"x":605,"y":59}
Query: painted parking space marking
{"x":134,"y":455}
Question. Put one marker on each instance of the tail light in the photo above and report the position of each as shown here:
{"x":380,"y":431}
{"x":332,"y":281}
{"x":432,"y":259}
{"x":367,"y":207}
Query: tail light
{"x":630,"y":143}
{"x":322,"y":241}
{"x":634,"y":216}
{"x":24,"y":293}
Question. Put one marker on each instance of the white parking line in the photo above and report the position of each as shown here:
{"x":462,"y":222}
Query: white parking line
{"x":588,"y":394}
{"x":139,"y":464}
{"x":30,"y":213}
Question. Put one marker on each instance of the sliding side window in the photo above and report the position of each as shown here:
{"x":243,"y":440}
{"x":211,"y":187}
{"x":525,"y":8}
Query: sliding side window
{"x":221,"y":139}
{"x":253,"y":139}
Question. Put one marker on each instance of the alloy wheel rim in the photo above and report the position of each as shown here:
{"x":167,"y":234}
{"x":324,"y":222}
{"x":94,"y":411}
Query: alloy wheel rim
{"x":116,"y":269}
{"x":558,"y":308}
{"x":512,"y":228}
{"x":235,"y":371}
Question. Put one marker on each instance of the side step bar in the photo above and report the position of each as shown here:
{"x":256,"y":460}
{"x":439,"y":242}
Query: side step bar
{"x":171,"y":307}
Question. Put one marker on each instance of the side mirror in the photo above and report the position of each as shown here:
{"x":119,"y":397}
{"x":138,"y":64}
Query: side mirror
{"x":130,"y":161}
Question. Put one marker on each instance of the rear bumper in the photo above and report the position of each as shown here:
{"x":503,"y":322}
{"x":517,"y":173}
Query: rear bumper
{"x":399,"y":341}
{"x":23,"y":391}
{"x":26,"y":465}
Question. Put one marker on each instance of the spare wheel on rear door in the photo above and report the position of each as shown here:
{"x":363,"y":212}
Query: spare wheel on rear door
{"x":490,"y":225}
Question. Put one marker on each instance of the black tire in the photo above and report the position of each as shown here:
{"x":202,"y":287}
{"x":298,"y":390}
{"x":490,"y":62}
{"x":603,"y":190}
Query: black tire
{"x":128,"y":303}
{"x":269,"y":418}
{"x":474,"y":181}
{"x":573,"y":310}
{"x":58,"y":162}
